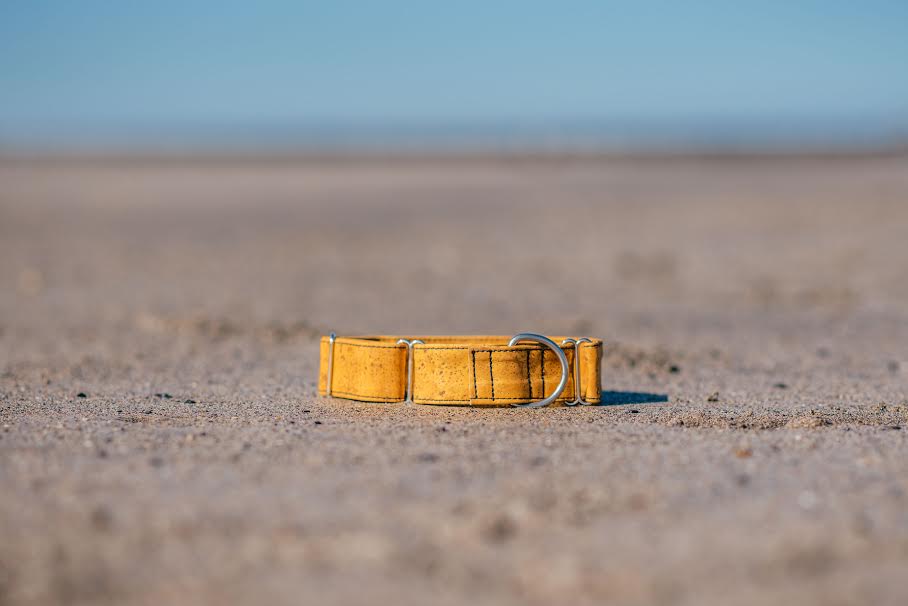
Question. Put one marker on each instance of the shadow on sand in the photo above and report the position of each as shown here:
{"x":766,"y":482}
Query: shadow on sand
{"x":616,"y":398}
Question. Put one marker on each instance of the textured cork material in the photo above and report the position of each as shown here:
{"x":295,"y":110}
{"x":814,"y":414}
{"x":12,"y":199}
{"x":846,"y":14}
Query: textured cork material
{"x":451,"y":370}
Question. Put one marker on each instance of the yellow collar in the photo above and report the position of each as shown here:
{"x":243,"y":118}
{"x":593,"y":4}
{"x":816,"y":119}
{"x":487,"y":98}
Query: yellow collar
{"x":524,"y":370}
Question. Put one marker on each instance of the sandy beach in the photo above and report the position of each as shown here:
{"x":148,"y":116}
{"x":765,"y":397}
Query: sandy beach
{"x":163,"y":442}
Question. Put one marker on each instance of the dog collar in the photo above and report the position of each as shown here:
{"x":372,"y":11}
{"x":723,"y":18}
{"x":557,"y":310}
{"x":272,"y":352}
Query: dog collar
{"x":527,"y":370}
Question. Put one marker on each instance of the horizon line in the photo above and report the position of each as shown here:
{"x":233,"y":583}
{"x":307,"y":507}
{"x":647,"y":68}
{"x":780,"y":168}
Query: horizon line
{"x":756,"y":133}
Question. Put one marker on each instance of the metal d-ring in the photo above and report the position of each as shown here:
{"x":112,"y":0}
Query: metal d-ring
{"x":408,"y":398}
{"x":331,"y":339}
{"x":578,"y":398}
{"x":530,"y":336}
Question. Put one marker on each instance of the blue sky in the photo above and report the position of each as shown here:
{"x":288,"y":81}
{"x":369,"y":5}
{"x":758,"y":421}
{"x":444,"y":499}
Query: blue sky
{"x":88,"y":67}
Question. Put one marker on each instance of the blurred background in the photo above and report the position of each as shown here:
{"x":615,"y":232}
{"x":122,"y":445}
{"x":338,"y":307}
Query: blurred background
{"x":192,"y":192}
{"x":340,"y":75}
{"x":665,"y":154}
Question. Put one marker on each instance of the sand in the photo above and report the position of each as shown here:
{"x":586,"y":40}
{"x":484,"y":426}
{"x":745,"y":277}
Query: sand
{"x":162,"y":441}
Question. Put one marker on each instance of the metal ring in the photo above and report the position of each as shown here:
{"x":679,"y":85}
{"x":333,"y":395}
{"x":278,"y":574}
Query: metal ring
{"x":530,"y":336}
{"x":331,"y":339}
{"x":408,"y":396}
{"x":578,"y":398}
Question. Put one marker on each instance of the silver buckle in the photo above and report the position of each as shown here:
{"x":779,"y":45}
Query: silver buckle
{"x":530,"y":336}
{"x":578,"y":399}
{"x":408,"y":398}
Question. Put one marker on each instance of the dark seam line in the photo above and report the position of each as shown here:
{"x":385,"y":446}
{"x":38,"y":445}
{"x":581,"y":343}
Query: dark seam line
{"x":492,"y":375}
{"x":542,"y":364}
{"x":475,"y":389}
{"x":500,"y":398}
{"x":430,"y":347}
{"x":418,"y":400}
{"x":361,"y":395}
{"x":515,"y":349}
{"x":370,"y":346}
{"x":570,"y":371}
{"x":521,"y":347}
{"x":541,"y":395}
{"x":397,"y":399}
{"x":529,"y":382}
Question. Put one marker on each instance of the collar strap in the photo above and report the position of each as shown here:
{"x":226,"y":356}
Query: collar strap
{"x":524,"y":370}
